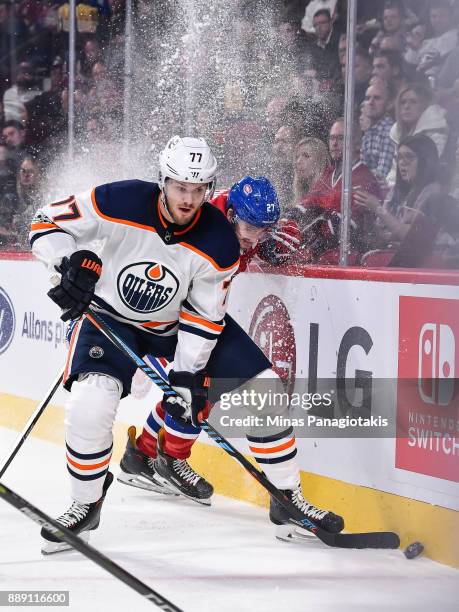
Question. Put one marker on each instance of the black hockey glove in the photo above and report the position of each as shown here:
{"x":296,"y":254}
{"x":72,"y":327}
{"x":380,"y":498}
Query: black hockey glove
{"x":191,"y":401}
{"x":79,"y":275}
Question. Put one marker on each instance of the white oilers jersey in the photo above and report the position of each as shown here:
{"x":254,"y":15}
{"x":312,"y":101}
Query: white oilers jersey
{"x":162,"y":278}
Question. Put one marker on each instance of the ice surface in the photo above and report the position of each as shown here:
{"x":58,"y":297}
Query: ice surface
{"x":223,"y":558}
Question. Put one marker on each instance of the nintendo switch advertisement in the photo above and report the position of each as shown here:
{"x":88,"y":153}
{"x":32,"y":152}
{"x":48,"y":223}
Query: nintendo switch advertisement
{"x":428,"y":389}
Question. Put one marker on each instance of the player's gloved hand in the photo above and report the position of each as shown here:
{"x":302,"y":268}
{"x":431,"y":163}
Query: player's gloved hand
{"x":287,"y":237}
{"x":79,"y":275}
{"x":281,"y":243}
{"x":191,"y":401}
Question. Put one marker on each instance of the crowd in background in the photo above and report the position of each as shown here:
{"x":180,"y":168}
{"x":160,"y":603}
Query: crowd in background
{"x":275,"y":74}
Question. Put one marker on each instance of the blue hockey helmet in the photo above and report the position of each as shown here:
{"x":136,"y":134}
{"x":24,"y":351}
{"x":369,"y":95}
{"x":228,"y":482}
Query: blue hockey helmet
{"x":254,"y":200}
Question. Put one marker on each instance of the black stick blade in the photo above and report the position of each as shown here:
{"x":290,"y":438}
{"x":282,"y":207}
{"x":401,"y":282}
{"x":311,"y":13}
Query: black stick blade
{"x":375,"y":539}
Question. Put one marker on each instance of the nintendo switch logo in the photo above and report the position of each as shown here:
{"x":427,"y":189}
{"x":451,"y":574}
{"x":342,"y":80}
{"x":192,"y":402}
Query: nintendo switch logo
{"x":437,"y":364}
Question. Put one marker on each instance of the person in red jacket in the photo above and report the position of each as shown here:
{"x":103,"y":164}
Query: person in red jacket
{"x":157,"y":459}
{"x":323,"y":200}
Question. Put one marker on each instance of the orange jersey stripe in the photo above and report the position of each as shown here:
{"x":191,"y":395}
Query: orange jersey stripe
{"x":273,"y":449}
{"x":194,"y":319}
{"x":157,"y":323}
{"x":94,"y":466}
{"x":209,"y":259}
{"x":160,"y":214}
{"x":40,"y":226}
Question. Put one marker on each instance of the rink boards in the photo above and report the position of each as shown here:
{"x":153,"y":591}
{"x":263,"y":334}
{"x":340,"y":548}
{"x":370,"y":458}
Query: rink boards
{"x":376,"y":329}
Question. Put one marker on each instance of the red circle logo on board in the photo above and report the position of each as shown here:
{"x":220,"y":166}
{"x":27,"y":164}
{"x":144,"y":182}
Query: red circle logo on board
{"x":272,"y":331}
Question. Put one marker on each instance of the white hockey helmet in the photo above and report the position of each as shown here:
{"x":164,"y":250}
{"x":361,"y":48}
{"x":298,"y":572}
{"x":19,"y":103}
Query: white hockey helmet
{"x":189,"y":160}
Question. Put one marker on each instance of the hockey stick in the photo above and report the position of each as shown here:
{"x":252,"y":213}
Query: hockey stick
{"x":31,"y":423}
{"x":377,"y":539}
{"x":100,"y":559}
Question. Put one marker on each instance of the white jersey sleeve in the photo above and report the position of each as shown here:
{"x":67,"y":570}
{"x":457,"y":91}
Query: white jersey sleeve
{"x":60,"y":228}
{"x":202,"y":317}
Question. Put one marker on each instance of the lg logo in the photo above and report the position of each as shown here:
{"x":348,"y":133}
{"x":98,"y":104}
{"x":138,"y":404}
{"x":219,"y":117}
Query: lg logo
{"x":345,"y":388}
{"x":7,"y":321}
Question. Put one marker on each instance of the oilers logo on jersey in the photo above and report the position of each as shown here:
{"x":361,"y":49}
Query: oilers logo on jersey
{"x":147,"y":286}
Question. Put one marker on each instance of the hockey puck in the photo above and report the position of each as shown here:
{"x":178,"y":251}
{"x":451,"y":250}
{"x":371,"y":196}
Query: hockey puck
{"x":413,"y":550}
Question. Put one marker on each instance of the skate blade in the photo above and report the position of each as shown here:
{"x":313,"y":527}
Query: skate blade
{"x":140,"y":482}
{"x":176,"y":490}
{"x":293,"y":534}
{"x":51,"y":548}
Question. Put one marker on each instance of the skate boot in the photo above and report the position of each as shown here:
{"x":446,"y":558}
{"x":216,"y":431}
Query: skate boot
{"x":80,"y":519}
{"x":180,"y":476}
{"x":333,"y":523}
{"x":137,"y":468}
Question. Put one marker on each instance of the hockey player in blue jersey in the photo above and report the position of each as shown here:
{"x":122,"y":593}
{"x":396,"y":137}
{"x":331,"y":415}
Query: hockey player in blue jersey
{"x":156,"y":260}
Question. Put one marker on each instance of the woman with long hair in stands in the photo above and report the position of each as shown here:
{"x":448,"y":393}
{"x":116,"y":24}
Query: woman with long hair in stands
{"x":415,"y":205}
{"x":311,"y":160}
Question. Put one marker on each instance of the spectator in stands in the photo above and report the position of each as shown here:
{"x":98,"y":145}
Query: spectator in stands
{"x":91,"y":55}
{"x":362,"y":74}
{"x":311,"y":160}
{"x":283,"y":158}
{"x":415,"y":114}
{"x":14,"y":136}
{"x":448,"y":75}
{"x":325,"y":48}
{"x":414,"y":38}
{"x":274,"y":116}
{"x":28,"y":193}
{"x":393,"y":28}
{"x":446,"y":92}
{"x":25,"y":89}
{"x":292,"y":43}
{"x":388,"y":65}
{"x":324,"y":196}
{"x":99,"y":72}
{"x":45,"y":115}
{"x":433,"y":51}
{"x":364,"y":120}
{"x":7,"y":196}
{"x":412,"y":214}
{"x":307,"y":22}
{"x":389,"y":44}
{"x":342,"y":47}
{"x":378,"y":148}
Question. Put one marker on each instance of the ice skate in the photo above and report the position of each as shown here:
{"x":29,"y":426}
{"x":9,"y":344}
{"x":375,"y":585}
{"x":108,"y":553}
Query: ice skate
{"x":180,"y":476}
{"x":333,"y":523}
{"x":137,"y":468}
{"x":80,"y":519}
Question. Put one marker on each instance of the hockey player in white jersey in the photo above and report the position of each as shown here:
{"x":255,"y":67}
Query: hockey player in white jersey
{"x":156,"y":260}
{"x":253,"y":209}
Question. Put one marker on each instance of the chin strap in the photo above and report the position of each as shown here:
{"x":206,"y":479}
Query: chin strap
{"x":164,"y":201}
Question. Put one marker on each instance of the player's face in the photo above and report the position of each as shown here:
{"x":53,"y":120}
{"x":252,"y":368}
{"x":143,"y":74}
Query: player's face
{"x":183,"y":200}
{"x":248,"y":235}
